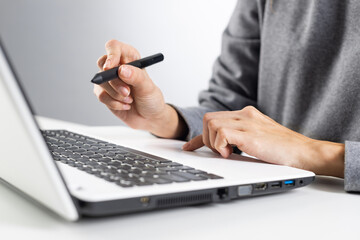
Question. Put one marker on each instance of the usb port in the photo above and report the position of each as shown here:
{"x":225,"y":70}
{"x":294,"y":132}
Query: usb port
{"x":289,"y":183}
{"x":275,"y":185}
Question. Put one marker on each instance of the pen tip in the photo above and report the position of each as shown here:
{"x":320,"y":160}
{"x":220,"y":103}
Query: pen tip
{"x":96,"y":79}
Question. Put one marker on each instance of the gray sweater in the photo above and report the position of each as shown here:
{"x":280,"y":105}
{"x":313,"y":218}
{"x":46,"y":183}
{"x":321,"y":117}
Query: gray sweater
{"x":297,"y":61}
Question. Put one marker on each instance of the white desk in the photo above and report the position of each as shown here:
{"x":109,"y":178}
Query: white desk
{"x":321,"y":210}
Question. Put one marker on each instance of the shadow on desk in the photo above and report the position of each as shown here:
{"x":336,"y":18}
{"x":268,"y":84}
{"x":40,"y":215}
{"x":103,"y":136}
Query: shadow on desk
{"x":328,"y":184}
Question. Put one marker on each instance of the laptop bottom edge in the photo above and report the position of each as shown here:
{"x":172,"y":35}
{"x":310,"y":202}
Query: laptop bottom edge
{"x":163,"y":201}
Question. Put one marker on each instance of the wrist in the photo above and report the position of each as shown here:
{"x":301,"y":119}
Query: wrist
{"x":327,"y":158}
{"x":168,"y":124}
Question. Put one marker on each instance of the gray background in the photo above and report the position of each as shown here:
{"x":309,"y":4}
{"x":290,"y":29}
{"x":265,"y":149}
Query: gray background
{"x":55,"y":44}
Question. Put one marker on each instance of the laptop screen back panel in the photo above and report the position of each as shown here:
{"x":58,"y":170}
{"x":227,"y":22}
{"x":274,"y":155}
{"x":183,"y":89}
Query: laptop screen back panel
{"x":25,"y":161}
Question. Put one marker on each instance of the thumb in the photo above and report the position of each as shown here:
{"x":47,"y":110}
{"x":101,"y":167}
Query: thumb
{"x":135,"y":77}
{"x":193,"y":144}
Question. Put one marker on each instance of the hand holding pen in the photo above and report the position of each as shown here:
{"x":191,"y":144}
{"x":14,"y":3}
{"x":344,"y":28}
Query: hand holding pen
{"x":132,"y":96}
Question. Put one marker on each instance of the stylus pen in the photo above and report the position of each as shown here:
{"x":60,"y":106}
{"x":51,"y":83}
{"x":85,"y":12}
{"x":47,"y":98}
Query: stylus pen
{"x":111,"y":74}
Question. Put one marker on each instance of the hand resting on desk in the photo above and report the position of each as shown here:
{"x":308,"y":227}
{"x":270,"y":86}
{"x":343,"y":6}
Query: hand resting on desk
{"x":262,"y":137}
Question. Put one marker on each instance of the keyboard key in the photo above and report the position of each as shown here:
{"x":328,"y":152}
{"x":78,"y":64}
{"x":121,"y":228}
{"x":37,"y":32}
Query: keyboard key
{"x":110,"y":154}
{"x":115,"y":163}
{"x":194,"y":171}
{"x":79,"y":150}
{"x":105,"y":159}
{"x":92,"y":163}
{"x":91,"y":141}
{"x":142,"y":182}
{"x":189,"y":176}
{"x":149,"y":169}
{"x":125,"y":166}
{"x":125,"y":183}
{"x":113,"y":178}
{"x":174,"y":178}
{"x":88,"y":153}
{"x":78,"y":164}
{"x":135,"y":170}
{"x":127,"y":161}
{"x":167,"y":169}
{"x":168,"y":164}
{"x":158,"y":180}
{"x":210,"y":176}
{"x":119,"y":157}
{"x":97,"y":155}
{"x":183,"y":168}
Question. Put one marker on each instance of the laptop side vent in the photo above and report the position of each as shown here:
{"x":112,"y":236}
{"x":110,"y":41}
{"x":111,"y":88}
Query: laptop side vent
{"x":184,"y":200}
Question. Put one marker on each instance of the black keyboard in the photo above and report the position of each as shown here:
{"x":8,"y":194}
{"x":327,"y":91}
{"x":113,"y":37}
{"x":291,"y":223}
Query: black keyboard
{"x":123,"y":166}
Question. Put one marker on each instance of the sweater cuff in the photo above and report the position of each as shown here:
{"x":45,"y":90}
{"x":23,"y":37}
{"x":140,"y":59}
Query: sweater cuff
{"x":352,"y":166}
{"x":193,"y":117}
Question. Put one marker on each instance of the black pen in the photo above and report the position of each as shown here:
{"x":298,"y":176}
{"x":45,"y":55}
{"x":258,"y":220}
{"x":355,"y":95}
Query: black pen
{"x":111,"y":74}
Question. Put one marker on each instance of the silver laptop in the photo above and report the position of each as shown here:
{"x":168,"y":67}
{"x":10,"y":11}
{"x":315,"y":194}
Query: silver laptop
{"x":75,"y":175}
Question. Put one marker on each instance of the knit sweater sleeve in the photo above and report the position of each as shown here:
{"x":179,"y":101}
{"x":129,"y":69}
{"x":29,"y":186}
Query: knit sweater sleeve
{"x":352,"y":166}
{"x":234,"y":80}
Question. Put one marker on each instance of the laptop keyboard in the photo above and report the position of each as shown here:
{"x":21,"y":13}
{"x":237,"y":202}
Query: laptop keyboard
{"x":123,"y":166}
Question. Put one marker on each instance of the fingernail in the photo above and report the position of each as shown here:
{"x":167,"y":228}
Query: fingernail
{"x":126,"y":107}
{"x":185,"y":146}
{"x":128,"y":99}
{"x":124,"y":91}
{"x":107,"y":63}
{"x":125,"y":71}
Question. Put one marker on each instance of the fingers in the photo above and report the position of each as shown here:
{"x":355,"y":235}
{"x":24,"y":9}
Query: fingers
{"x":215,"y":124}
{"x":193,"y":144}
{"x":115,"y":94}
{"x":120,"y":87}
{"x":213,"y":120}
{"x":113,"y":52}
{"x":116,"y":89}
{"x":224,"y":140}
{"x":101,"y":62}
{"x":109,"y":101}
{"x":219,"y":129}
{"x":136,"y":78}
{"x":119,"y":53}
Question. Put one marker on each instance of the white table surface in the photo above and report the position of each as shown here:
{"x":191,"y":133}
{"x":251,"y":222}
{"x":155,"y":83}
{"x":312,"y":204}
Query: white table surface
{"x":321,"y":210}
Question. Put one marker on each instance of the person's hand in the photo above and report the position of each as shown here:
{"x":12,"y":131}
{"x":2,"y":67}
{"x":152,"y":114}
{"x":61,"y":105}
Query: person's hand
{"x":258,"y":135}
{"x":134,"y":98}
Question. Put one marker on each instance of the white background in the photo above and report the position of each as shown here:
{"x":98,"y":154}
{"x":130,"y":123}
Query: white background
{"x":55,"y":44}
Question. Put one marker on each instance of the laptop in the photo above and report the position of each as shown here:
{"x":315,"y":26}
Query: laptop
{"x":75,"y":175}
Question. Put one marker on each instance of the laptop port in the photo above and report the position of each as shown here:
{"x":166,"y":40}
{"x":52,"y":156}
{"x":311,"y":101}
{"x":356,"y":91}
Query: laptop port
{"x":145,"y":201}
{"x":260,"y":186}
{"x":289,"y":183}
{"x":244,"y":190}
{"x":275,"y":185}
{"x":222,"y":193}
